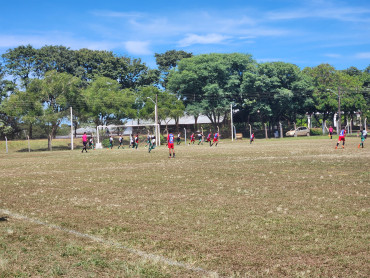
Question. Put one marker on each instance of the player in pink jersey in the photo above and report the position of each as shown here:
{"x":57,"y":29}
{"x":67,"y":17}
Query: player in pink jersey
{"x":84,"y":142}
{"x":170,"y":144}
{"x":331,"y":132}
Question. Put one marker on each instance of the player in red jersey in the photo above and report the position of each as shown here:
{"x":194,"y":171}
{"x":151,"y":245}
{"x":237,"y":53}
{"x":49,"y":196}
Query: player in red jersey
{"x":215,"y":139}
{"x":209,"y":138}
{"x":170,"y":144}
{"x":342,"y":137}
{"x":252,"y":138}
{"x":192,"y":138}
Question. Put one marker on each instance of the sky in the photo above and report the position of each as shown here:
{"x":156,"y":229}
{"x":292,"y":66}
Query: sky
{"x":306,"y":32}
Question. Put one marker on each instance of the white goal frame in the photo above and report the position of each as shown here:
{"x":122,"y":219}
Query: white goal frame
{"x":157,"y":132}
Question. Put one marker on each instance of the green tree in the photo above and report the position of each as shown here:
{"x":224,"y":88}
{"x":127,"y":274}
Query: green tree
{"x":54,"y":93}
{"x":277,"y":91}
{"x":211,"y":82}
{"x":20,"y":63}
{"x":55,"y":57}
{"x":169,"y":60}
{"x":107,"y":103}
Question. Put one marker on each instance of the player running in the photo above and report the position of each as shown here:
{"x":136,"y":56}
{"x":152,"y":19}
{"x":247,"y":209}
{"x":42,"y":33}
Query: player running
{"x":170,"y":144}
{"x":192,"y":138}
{"x":91,"y":143}
{"x":363,"y":137}
{"x":137,"y":141}
{"x":84,"y":142}
{"x":111,"y":142}
{"x":251,"y":138}
{"x":342,"y":137}
{"x":148,"y":140}
{"x":215,"y":139}
{"x":200,"y":138}
{"x":151,"y":143}
{"x":209,"y":138}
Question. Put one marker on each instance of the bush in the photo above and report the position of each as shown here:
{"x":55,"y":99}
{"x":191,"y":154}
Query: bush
{"x":106,"y":143}
{"x":316,"y":131}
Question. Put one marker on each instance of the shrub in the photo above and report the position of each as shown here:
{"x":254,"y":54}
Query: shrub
{"x":316,"y":131}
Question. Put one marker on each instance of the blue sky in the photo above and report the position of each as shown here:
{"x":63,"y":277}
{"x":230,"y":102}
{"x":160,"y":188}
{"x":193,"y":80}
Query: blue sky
{"x":305,"y":33}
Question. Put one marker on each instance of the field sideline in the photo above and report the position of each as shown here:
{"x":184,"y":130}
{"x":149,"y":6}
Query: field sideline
{"x":292,"y":207}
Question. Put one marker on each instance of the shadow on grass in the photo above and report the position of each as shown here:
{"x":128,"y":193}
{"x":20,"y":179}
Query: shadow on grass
{"x":4,"y":218}
{"x":56,"y":148}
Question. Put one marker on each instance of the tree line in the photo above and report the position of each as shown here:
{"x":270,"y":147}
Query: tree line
{"x":38,"y":87}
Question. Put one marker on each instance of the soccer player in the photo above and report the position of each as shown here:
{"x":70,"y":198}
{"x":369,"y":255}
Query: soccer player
{"x":209,"y":138}
{"x":252,"y":138}
{"x":179,"y":138}
{"x":215,"y":139}
{"x":342,"y":137}
{"x":192,"y":139}
{"x":148,"y":140}
{"x":170,"y":144}
{"x":84,"y":142}
{"x":120,"y":140}
{"x":331,"y":132}
{"x":136,"y":141}
{"x":200,"y":138}
{"x":363,"y":137}
{"x":151,"y":143}
{"x":91,"y":143}
{"x":111,"y":142}
{"x":132,"y":144}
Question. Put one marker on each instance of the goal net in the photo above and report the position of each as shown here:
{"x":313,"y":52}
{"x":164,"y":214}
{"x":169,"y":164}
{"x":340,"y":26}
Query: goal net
{"x":104,"y":132}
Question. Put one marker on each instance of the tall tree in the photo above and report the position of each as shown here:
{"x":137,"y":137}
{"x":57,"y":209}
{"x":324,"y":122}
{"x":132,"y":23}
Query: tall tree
{"x":169,"y":60}
{"x":54,"y":93}
{"x":210,"y":82}
{"x":278,"y":91}
{"x":20,"y":63}
{"x":107,"y":103}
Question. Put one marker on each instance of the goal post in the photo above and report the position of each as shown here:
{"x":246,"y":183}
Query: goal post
{"x":115,"y":130}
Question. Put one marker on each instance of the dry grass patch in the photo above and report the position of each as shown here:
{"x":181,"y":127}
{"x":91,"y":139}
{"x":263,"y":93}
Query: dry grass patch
{"x":294,"y":208}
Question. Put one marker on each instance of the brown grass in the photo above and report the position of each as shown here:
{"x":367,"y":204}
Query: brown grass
{"x":276,"y":208}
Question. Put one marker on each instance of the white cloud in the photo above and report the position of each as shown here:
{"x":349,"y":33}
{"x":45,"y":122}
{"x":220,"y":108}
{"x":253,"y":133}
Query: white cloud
{"x":138,"y":47}
{"x":362,"y":55}
{"x":207,"y":39}
{"x":332,"y":55}
{"x":116,"y":14}
{"x":324,"y":10}
{"x":54,"y":38}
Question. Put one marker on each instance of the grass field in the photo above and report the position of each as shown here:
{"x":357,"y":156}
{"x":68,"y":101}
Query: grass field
{"x":277,"y":208}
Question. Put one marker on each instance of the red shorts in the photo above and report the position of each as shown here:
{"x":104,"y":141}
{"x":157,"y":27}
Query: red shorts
{"x":341,"y":138}
{"x":170,"y":145}
{"x":215,"y":140}
{"x":192,"y":140}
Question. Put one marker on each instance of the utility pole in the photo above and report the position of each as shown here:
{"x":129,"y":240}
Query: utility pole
{"x":71,"y":129}
{"x":339,"y":113}
{"x":157,"y":139}
{"x":231,"y":122}
{"x":157,"y":136}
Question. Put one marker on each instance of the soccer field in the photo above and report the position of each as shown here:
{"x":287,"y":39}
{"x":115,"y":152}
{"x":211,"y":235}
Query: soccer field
{"x":292,"y":207}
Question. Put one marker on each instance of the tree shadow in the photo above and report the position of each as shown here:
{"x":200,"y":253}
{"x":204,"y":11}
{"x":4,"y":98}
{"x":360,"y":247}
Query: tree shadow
{"x":56,"y":148}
